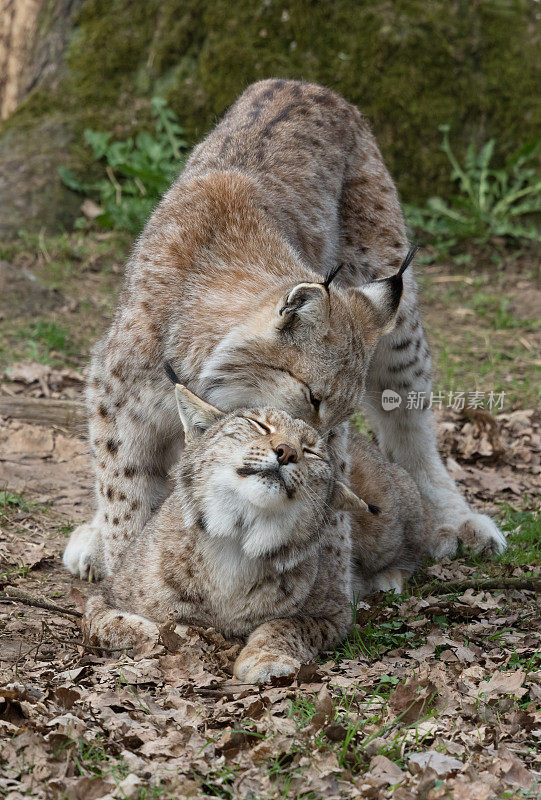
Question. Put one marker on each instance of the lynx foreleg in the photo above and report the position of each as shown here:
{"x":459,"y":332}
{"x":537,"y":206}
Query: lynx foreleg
{"x":116,"y":630}
{"x":406,"y":434}
{"x":280,"y":646}
{"x":132,"y":424}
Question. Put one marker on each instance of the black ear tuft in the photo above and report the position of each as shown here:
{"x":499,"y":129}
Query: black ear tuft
{"x":170,"y":372}
{"x":407,"y":261}
{"x":395,"y":281}
{"x":373,"y":509}
{"x":331,"y":275}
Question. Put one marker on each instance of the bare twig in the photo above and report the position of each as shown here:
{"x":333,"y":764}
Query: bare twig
{"x":15,"y":595}
{"x":532,"y":584}
{"x":226,"y":689}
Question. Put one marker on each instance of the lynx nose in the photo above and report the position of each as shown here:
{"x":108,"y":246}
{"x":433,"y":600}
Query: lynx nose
{"x":286,"y":454}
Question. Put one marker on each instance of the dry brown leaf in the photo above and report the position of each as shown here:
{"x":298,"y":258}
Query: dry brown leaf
{"x":441,"y":763}
{"x":383,"y":771}
{"x":504,"y":683}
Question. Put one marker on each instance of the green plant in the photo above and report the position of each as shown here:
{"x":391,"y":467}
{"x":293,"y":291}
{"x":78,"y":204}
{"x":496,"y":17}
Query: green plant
{"x":137,"y":171}
{"x":490,"y":202}
{"x":13,"y":500}
{"x":370,"y":640}
{"x":523,"y":529}
{"x":45,"y":339}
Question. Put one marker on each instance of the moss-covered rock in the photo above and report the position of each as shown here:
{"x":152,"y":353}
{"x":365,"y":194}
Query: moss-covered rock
{"x":409,"y":64}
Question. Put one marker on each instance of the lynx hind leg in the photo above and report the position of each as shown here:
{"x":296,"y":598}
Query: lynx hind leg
{"x":83,"y":556}
{"x":116,"y":630}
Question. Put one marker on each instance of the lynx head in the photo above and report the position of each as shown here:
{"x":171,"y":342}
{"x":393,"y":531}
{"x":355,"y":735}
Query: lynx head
{"x":256,"y":474}
{"x":305,"y":350}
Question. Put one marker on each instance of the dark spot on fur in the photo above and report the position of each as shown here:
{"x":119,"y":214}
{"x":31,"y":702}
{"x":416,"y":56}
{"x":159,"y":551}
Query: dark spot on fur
{"x":102,"y":411}
{"x":403,"y":345}
{"x":135,"y":505}
{"x":395,"y":368}
{"x":112,"y":445}
{"x":121,"y":496}
{"x":110,"y":493}
{"x":115,"y":520}
{"x":282,"y":116}
{"x":129,"y":472}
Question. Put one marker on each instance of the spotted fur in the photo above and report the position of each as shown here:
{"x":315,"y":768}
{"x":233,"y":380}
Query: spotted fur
{"x":225,"y":283}
{"x":251,"y":541}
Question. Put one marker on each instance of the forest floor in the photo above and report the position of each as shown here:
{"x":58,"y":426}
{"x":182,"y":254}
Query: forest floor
{"x":435,"y":694}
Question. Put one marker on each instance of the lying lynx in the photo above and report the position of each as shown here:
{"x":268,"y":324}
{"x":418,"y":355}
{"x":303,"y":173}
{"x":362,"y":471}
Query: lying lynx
{"x":225,"y":283}
{"x":248,"y":541}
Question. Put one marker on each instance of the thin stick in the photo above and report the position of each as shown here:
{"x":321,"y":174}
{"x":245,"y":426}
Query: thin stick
{"x":531,"y":584}
{"x":15,"y":595}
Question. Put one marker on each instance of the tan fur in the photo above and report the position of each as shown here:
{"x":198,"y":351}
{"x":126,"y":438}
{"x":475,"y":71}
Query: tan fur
{"x":386,"y":547}
{"x":289,"y":184}
{"x":260,"y":555}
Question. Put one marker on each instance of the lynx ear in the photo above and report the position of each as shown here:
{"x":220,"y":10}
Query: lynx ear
{"x":346,"y":500}
{"x":196,"y":415}
{"x":379,"y":301}
{"x":307,"y":304}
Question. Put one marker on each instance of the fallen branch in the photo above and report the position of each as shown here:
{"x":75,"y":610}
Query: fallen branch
{"x":14,"y":594}
{"x":69,"y":414}
{"x":532,"y":584}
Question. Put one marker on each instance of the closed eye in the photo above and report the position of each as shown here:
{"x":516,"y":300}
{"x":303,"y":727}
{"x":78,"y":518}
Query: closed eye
{"x":259,"y":426}
{"x":308,"y":452}
{"x":315,"y":402}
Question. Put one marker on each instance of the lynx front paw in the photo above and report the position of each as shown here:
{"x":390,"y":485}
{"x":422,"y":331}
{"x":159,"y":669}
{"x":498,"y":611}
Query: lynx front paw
{"x":82,"y":556}
{"x":259,"y":666}
{"x":482,"y":535}
{"x":477,"y":531}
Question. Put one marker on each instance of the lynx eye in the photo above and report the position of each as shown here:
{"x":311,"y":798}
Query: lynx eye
{"x":308,"y":452}
{"x":259,"y":426}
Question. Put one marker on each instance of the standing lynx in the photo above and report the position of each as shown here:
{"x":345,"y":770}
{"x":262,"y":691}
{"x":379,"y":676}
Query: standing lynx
{"x":225,"y":283}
